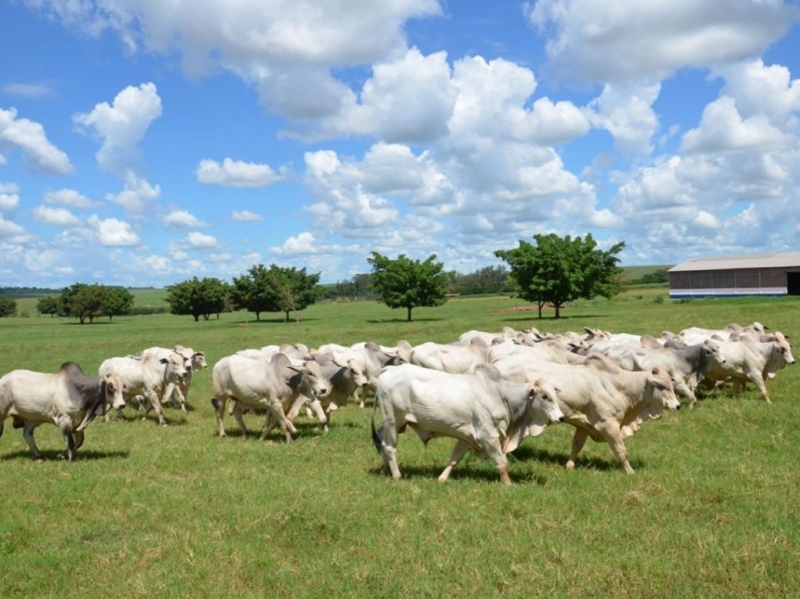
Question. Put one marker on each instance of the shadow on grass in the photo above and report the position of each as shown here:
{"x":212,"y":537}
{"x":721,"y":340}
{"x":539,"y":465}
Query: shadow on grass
{"x":123,"y":418}
{"x":79,"y":323}
{"x":267,"y":321}
{"x":52,"y":455}
{"x":402,"y":320}
{"x":460,"y":472}
{"x":534,"y":318}
{"x":527,"y":453}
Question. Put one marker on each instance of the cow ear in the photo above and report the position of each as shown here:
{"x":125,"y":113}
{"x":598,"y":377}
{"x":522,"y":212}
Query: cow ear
{"x":163,"y":360}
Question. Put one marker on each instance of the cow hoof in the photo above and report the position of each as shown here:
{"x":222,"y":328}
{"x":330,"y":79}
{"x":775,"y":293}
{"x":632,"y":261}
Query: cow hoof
{"x":38,"y":458}
{"x":570,"y":465}
{"x":61,"y":456}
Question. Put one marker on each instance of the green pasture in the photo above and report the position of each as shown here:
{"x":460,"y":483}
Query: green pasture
{"x":148,"y":511}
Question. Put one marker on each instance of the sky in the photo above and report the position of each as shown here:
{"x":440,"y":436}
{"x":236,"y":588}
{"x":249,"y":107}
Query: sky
{"x":145,"y":142}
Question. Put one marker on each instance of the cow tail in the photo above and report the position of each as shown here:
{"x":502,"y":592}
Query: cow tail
{"x":376,"y":440}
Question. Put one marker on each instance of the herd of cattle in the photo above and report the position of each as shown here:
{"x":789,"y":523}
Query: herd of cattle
{"x":486,"y":390}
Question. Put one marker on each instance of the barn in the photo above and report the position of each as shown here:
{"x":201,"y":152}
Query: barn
{"x":728,"y":276}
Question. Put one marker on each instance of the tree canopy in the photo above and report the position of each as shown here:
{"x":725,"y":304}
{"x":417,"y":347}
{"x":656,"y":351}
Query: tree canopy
{"x":557,"y":270}
{"x":83,"y":301}
{"x":274,"y":289}
{"x":49,"y":304}
{"x":8,"y":306}
{"x":407,"y":283}
{"x":198,"y":297}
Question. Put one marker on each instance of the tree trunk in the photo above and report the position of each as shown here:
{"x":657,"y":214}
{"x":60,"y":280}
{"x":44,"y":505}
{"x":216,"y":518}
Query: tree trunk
{"x":196,"y":317}
{"x":541,"y":305}
{"x":409,"y":314}
{"x":558,"y":310}
{"x":258,"y":316}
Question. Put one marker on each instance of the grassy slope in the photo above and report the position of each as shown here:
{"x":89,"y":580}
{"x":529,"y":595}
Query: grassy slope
{"x":150,"y":511}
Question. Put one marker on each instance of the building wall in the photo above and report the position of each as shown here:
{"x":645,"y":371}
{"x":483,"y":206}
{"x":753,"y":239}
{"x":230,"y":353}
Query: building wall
{"x":734,"y":282}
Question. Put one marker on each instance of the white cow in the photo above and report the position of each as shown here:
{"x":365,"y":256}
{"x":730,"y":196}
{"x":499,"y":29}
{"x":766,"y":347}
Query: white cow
{"x":69,"y":399}
{"x":455,"y":359}
{"x":152,"y":377}
{"x":192,"y":361}
{"x":599,"y":399}
{"x":748,"y":360}
{"x":274,"y":384}
{"x":486,"y":414}
{"x":369,"y":356}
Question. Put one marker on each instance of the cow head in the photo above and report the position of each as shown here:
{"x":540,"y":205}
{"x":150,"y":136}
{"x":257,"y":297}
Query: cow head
{"x":174,"y":368}
{"x":109,"y":393}
{"x":660,"y":385}
{"x":782,"y":348}
{"x":357,"y":373}
{"x":711,"y":351}
{"x":545,"y":408}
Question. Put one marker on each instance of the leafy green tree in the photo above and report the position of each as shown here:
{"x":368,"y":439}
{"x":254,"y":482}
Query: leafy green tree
{"x":118,"y":301}
{"x":8,"y":306}
{"x":198,"y":297}
{"x":83,"y":301}
{"x":407,"y":283}
{"x":49,"y":304}
{"x":274,"y":289}
{"x":557,"y":270}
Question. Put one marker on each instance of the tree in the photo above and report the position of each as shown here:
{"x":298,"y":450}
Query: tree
{"x":407,"y":283}
{"x":118,"y":301}
{"x":198,"y":297}
{"x":8,"y":306}
{"x":558,"y":270}
{"x":274,"y":289}
{"x":49,"y":304}
{"x":83,"y":301}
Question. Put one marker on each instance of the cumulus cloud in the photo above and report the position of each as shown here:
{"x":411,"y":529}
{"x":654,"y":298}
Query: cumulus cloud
{"x":183,"y":219}
{"x":723,"y":129}
{"x":122,"y":125}
{"x":304,"y":243}
{"x":235,"y":173}
{"x":112,"y":232}
{"x":245,"y":216}
{"x":137,"y":195}
{"x":30,"y":137}
{"x":12,"y":232}
{"x":630,"y":39}
{"x":9,"y":196}
{"x":59,"y":217}
{"x":69,"y":197}
{"x":626,"y":112}
{"x":197,"y":240}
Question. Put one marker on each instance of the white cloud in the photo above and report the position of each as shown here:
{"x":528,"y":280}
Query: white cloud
{"x":137,"y":195}
{"x":650,"y":39}
{"x":9,"y":196}
{"x":235,"y":173}
{"x":27,"y":90}
{"x":122,"y":125}
{"x":30,"y":137}
{"x":723,"y":129}
{"x":59,"y":217}
{"x":11,"y":231}
{"x":182,"y":218}
{"x":763,"y":90}
{"x":304,"y":243}
{"x":245,"y":216}
{"x":626,"y":112}
{"x":69,"y":197}
{"x":112,"y":232}
{"x":198,"y":240}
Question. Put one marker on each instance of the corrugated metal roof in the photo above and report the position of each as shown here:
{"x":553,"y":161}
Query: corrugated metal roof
{"x":775,"y":260}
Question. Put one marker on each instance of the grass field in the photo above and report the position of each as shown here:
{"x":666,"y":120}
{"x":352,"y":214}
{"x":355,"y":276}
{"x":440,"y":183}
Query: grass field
{"x":148,"y":511}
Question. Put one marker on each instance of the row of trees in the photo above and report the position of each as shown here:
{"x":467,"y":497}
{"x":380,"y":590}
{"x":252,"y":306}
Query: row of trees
{"x":261,"y":289}
{"x":84,"y":302}
{"x":553,"y":270}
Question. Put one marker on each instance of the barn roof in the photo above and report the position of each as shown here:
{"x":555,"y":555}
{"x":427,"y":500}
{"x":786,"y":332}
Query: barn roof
{"x":774,"y":260}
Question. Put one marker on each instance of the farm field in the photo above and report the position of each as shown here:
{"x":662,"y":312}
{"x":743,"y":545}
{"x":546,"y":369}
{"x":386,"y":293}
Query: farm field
{"x":149,"y":511}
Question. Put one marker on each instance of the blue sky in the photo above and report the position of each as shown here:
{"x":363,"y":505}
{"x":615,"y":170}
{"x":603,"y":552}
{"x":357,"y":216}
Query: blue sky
{"x":143,"y":143}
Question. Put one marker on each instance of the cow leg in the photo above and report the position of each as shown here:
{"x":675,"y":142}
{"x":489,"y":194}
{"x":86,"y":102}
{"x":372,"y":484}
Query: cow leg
{"x":27,"y":434}
{"x":758,"y":380}
{"x":459,"y":451}
{"x":237,"y":414}
{"x":78,"y":440}
{"x":388,"y":434}
{"x":611,"y":433}
{"x":219,"y":410}
{"x":151,"y":397}
{"x":276,"y":408}
{"x":578,"y":441}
